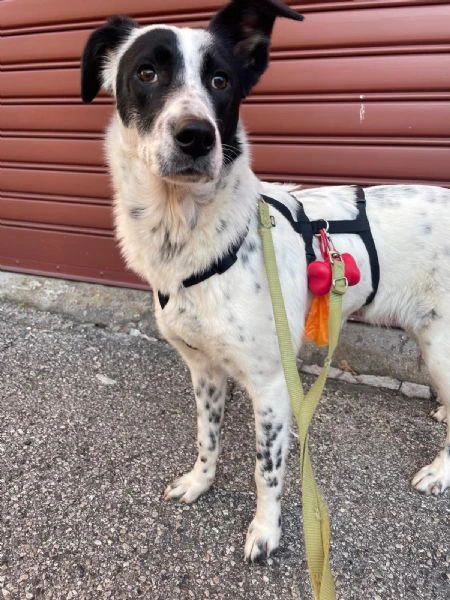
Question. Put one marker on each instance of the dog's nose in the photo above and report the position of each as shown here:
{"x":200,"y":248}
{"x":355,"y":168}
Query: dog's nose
{"x":195,"y":138}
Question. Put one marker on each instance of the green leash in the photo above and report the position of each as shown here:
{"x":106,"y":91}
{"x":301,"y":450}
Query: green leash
{"x":316,"y":524}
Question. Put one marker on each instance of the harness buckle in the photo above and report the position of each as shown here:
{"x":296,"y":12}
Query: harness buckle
{"x":326,"y":228}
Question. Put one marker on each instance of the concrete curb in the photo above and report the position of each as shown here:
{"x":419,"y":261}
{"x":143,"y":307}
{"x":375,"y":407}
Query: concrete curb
{"x":364,"y":355}
{"x":407,"y":388}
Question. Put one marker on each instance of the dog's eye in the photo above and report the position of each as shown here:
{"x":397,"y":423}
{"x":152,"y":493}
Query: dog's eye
{"x":147,"y":74}
{"x":220,"y":81}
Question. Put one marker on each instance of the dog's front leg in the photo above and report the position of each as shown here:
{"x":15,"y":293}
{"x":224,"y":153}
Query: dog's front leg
{"x":272,"y":419}
{"x":210,"y":386}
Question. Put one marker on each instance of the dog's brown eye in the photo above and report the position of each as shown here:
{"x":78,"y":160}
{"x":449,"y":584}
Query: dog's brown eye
{"x":220,"y":81}
{"x":147,"y":74}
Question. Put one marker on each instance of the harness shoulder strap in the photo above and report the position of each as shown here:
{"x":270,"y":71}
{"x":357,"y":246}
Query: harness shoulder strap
{"x":360,"y":226}
{"x":367,"y":237}
{"x":302,"y":226}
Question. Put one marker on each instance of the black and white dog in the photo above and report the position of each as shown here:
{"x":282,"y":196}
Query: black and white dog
{"x":185,"y":194}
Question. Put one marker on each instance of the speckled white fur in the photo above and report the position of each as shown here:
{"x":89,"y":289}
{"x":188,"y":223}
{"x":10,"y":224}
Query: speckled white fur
{"x":224,"y":326}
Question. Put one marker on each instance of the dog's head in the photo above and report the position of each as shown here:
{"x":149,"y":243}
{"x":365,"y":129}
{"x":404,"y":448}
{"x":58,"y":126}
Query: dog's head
{"x":178,"y":91}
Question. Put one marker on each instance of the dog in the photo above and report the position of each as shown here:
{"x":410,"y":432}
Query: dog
{"x":185,"y":195}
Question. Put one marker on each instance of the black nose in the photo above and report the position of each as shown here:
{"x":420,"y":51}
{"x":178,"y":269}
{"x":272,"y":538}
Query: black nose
{"x":195,"y":138}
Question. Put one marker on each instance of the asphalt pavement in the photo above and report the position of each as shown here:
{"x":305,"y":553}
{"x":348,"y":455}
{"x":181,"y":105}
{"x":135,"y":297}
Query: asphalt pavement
{"x":96,"y":419}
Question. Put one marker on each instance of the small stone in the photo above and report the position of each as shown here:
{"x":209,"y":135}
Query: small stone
{"x":415,"y":390}
{"x":311,"y":369}
{"x":317,"y":369}
{"x":104,"y":380}
{"x":347,"y":377}
{"x":334,"y":373}
{"x":376,"y":381}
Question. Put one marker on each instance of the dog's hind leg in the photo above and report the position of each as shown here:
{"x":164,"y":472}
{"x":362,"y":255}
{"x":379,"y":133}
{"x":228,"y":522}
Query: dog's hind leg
{"x":272,"y":419}
{"x":210,"y":387}
{"x":435,"y":345}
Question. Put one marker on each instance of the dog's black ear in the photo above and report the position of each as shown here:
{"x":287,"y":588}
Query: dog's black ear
{"x":102,"y":41}
{"x":246,"y":26}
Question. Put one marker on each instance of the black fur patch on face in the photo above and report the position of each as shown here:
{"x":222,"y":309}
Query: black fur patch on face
{"x":245,"y":26}
{"x":226,"y":102}
{"x":141,"y":102}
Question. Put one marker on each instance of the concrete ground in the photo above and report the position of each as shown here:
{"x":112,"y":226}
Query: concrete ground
{"x":95,"y":420}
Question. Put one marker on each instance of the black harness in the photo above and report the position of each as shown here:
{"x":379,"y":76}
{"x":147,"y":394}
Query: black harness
{"x":217,"y":268}
{"x":307,"y":229}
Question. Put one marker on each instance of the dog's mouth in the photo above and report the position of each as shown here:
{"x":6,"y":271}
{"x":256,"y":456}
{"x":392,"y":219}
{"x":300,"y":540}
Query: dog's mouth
{"x":188,"y":175}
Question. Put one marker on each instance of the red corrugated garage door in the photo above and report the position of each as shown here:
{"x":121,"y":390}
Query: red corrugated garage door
{"x":357,"y":93}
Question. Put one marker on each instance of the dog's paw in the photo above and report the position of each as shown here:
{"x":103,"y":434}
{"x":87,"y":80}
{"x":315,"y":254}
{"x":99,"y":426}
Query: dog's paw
{"x":439,"y":414}
{"x":188,"y":487}
{"x":262,"y":540}
{"x":434,"y":478}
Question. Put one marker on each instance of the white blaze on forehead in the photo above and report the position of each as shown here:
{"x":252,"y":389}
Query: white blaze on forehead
{"x":193,"y":45}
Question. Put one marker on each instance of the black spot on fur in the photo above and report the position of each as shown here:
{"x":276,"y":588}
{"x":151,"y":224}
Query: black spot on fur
{"x":257,"y":287}
{"x":169,"y":249}
{"x":207,"y":406}
{"x":434,"y":316}
{"x":273,"y":482}
{"x":268,"y":465}
{"x":212,"y":442}
{"x":215,"y":417}
{"x":222,"y":226}
{"x":203,"y":459}
{"x":205,"y":470}
{"x":426,"y":228}
{"x":191,"y":347}
{"x":211,"y":390}
{"x":137,"y":212}
{"x":251,"y":247}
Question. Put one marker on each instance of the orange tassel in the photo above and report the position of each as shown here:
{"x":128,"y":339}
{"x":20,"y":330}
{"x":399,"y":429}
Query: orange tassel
{"x":316,"y":327}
